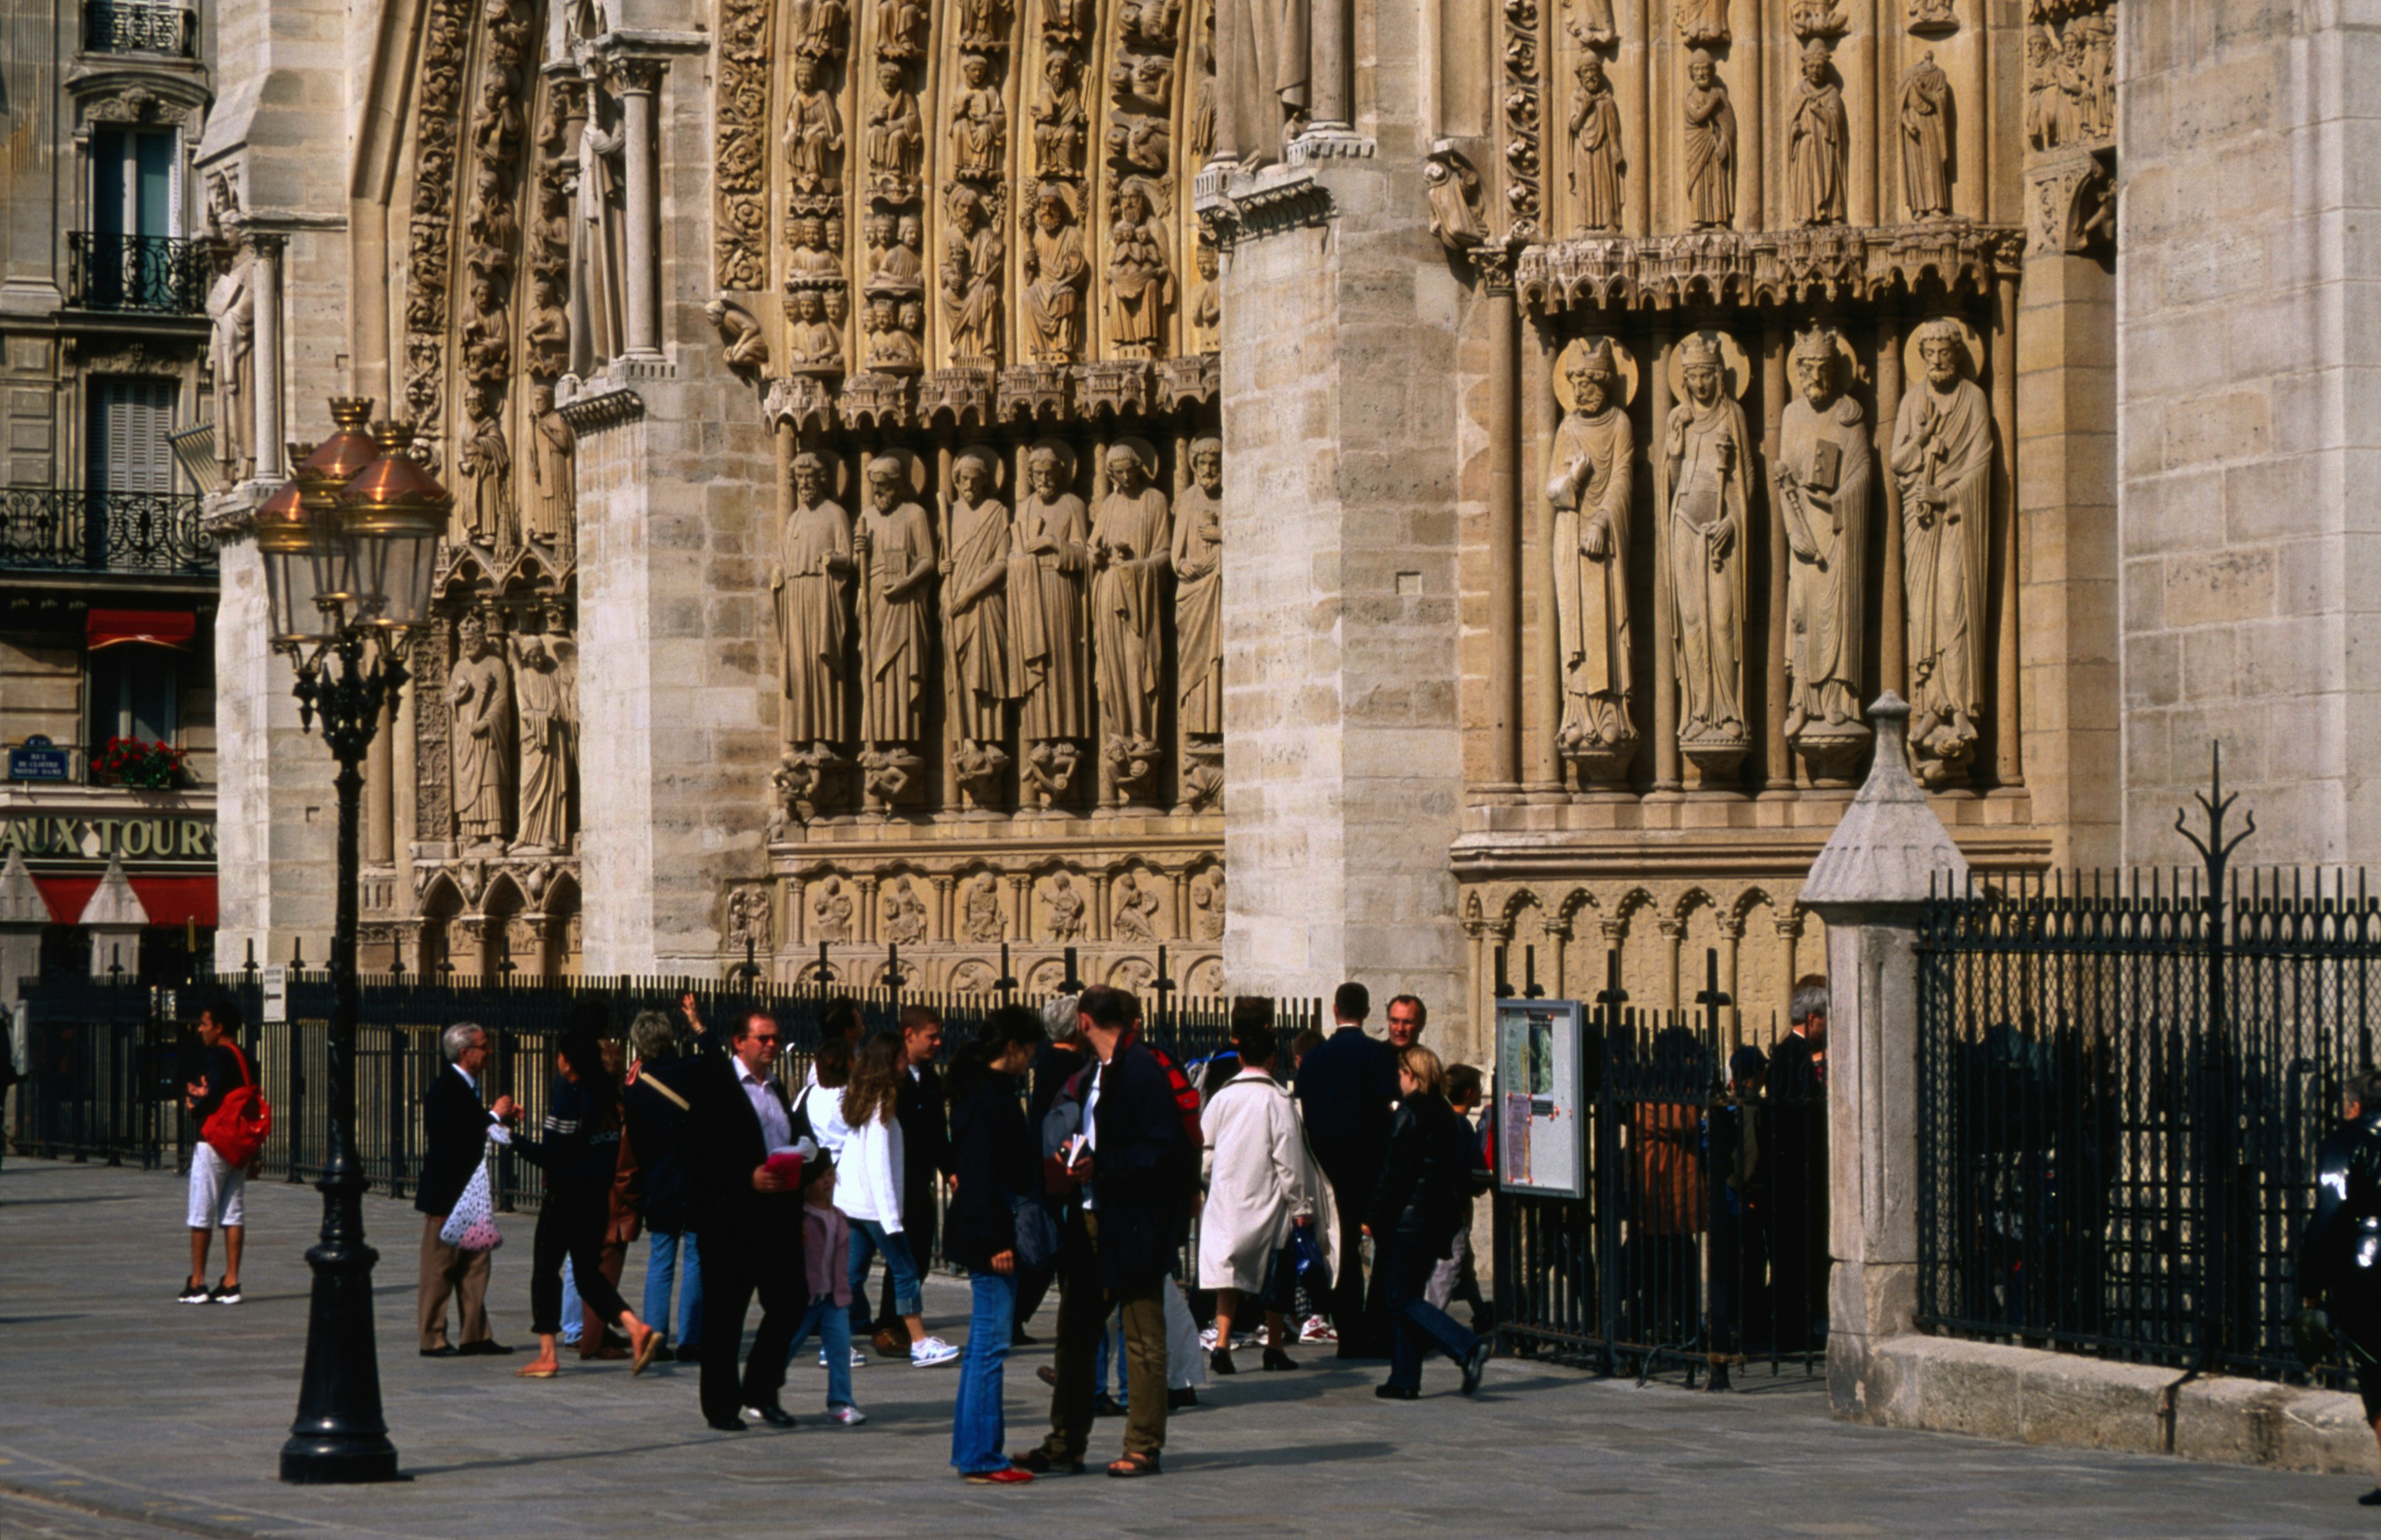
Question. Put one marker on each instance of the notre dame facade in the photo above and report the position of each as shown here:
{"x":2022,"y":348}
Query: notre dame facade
{"x":1324,"y":487}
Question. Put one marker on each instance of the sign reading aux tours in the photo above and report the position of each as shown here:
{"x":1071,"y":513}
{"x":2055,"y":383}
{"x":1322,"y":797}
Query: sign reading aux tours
{"x":78,"y":837}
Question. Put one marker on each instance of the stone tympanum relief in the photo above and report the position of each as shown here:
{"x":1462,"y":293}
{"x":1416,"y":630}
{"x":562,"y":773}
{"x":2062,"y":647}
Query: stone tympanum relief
{"x":1943,"y":462}
{"x":1595,"y":461}
{"x":1822,"y":478}
{"x":1709,"y":452}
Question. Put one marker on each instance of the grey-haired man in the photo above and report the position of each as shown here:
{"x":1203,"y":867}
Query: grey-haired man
{"x":457,"y":1127}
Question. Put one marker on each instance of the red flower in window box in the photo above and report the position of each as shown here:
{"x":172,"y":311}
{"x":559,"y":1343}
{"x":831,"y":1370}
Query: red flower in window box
{"x":142,"y":766}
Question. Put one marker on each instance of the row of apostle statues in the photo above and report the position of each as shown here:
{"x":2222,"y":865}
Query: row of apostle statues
{"x":1051,"y":618}
{"x":512,"y":741}
{"x":1822,"y":484}
{"x":1818,"y":144}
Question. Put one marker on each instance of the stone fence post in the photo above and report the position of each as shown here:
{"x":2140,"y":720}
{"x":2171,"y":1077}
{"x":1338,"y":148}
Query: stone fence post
{"x":1868,"y":884}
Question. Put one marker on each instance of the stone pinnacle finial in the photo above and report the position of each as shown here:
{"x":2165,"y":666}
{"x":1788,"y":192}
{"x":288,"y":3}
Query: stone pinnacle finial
{"x":1889,"y":847}
{"x":20,"y":898}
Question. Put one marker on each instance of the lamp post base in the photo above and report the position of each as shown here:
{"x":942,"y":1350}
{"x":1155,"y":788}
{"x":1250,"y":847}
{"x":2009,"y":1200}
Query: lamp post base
{"x":334,"y":1462}
{"x":339,"y":1437}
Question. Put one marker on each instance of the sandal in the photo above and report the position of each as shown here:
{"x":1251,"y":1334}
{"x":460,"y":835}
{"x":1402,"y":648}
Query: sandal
{"x":538,"y":1370}
{"x":645,"y":1351}
{"x":1136,"y":1465}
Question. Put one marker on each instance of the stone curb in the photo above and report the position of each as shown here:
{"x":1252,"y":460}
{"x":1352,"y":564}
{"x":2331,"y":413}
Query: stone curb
{"x":2025,"y":1396}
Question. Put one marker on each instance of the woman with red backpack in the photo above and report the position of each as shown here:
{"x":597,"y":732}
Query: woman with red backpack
{"x":233,"y":1120}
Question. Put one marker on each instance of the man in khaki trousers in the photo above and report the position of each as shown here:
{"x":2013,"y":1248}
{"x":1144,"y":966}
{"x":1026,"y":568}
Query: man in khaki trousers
{"x":457,"y":1127}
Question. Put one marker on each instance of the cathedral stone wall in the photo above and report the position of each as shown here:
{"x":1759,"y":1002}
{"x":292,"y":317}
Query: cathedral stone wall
{"x":2249,"y":411}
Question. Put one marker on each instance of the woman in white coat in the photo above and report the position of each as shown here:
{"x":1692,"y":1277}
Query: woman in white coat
{"x":1263,"y":1182}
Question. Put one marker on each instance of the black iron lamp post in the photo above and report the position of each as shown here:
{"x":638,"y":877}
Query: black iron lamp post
{"x":350,"y":551}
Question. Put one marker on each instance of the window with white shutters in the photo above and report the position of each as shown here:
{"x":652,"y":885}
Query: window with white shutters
{"x":128,"y":449}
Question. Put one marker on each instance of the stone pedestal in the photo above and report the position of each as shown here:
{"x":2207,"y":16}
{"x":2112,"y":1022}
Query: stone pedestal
{"x":1344,"y":783}
{"x":1868,"y":884}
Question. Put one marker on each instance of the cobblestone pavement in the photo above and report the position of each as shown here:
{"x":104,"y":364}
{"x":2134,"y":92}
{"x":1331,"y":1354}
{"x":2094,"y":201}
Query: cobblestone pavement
{"x":127,"y":1416}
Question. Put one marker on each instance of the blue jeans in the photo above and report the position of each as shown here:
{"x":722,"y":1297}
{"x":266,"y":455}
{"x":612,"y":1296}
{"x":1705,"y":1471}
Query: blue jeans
{"x":672,"y":1253}
{"x":1416,"y":1325}
{"x":978,"y":1438}
{"x":868,"y":1238}
{"x":574,"y":1309}
{"x":1111,"y":1351}
{"x":833,"y":1324}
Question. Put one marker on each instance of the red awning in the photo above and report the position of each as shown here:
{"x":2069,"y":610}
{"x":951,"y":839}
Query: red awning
{"x":170,"y":900}
{"x":155,"y":628}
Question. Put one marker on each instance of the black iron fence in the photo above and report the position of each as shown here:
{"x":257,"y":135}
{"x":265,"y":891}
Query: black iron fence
{"x":71,"y":527}
{"x":1701,"y":1244}
{"x":105,"y":1063}
{"x":131,"y":26}
{"x":156,"y":275}
{"x":2124,"y":1082}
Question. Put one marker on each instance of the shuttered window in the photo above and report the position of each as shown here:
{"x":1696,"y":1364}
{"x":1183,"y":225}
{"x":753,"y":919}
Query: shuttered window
{"x":128,"y":449}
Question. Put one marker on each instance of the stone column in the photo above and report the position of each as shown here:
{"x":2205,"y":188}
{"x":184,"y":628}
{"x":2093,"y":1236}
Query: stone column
{"x":1020,"y":895}
{"x":640,"y":80}
{"x":1099,"y":906}
{"x":867,"y":908}
{"x":380,"y":793}
{"x":1181,"y":918}
{"x":23,"y":914}
{"x":1893,"y":631}
{"x":1674,"y":935}
{"x":1778,"y":769}
{"x":2009,"y":762}
{"x":944,"y":929}
{"x":1868,"y":884}
{"x":1503,"y":524}
{"x":1731,"y":939}
{"x":265,"y":269}
{"x":1332,"y":65}
{"x":114,"y":917}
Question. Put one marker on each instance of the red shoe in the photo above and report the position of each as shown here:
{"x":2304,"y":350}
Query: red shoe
{"x":1009,"y":1475}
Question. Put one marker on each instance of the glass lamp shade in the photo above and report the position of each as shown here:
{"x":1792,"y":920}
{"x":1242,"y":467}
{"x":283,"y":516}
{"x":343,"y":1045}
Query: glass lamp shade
{"x":286,"y":538}
{"x":394,"y":513}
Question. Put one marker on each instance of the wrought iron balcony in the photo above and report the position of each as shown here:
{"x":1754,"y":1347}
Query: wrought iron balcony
{"x":57,"y":528}
{"x":131,"y":27}
{"x":157,"y":274}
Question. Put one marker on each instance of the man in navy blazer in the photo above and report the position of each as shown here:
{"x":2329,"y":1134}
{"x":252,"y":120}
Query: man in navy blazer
{"x":751,"y":1221}
{"x":1346,"y":1090}
{"x":458,"y":1129}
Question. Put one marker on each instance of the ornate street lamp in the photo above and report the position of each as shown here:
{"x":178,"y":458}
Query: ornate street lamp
{"x":350,"y":550}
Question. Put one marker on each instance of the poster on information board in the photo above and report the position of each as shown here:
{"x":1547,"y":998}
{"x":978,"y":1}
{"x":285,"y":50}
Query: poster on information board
{"x":1541,"y":1132}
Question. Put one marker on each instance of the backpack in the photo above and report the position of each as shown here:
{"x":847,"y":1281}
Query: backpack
{"x":239,"y":1122}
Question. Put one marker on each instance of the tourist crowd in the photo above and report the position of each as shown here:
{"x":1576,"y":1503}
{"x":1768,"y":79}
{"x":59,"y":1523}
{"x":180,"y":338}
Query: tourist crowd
{"x":1330,"y":1180}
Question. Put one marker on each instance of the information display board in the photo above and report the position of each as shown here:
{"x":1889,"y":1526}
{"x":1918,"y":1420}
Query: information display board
{"x":1541,"y":1127}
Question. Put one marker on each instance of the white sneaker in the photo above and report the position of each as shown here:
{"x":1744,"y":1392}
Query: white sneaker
{"x":849,"y":1416}
{"x":929,"y":1351}
{"x":1207,"y":1339}
{"x":859,"y":1359}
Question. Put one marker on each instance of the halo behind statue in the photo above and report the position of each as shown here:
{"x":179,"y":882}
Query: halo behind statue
{"x":838,"y":467}
{"x":1624,"y":364}
{"x":1913,"y":367}
{"x":1735,"y":369}
{"x":1141,"y":450}
{"x":1063,"y":450}
{"x":995,"y":464}
{"x":913,"y":468}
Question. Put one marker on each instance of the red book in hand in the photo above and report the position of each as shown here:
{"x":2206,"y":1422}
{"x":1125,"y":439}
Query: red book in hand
{"x":789,"y":1165}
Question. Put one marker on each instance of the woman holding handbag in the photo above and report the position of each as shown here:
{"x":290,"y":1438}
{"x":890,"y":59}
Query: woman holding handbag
{"x":997,"y":1161}
{"x":580,"y":1152}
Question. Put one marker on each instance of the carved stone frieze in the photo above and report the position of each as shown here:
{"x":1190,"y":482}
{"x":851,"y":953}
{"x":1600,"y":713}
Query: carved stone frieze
{"x":2071,"y":204}
{"x":1766,"y":267}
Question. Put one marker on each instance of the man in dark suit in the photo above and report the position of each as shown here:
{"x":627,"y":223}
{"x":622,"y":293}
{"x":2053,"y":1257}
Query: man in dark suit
{"x":925,"y":1158}
{"x":1798,"y":1171}
{"x":1139,"y":1168}
{"x":751,"y":1221}
{"x":459,"y":1129}
{"x":1347,"y":1088}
